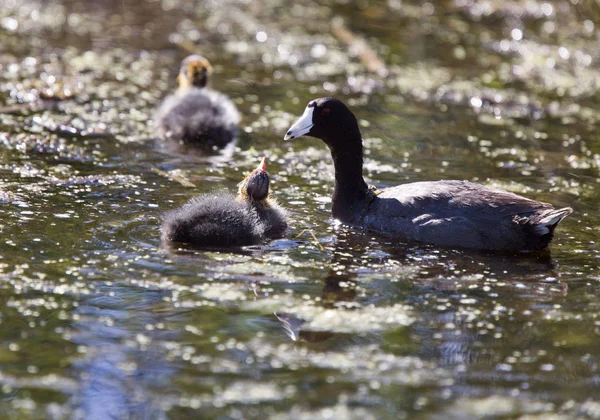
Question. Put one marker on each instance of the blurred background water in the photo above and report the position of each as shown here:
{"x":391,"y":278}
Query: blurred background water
{"x":98,"y":321}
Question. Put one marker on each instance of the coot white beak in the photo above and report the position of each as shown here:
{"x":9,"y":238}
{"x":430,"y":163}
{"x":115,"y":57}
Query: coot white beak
{"x":302,"y":126}
{"x":263,"y":165}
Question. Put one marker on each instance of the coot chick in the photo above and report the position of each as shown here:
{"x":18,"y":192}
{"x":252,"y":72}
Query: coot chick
{"x":195,"y":114}
{"x":222,"y":220}
{"x":444,"y":213}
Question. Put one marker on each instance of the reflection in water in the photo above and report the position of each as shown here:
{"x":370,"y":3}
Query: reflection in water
{"x":123,"y":364}
{"x":337,"y":288}
{"x":355,"y":254}
{"x":180,"y":153}
{"x":449,"y":284}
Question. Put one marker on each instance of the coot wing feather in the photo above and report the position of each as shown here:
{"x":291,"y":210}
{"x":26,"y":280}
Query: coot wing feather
{"x":446,"y":199}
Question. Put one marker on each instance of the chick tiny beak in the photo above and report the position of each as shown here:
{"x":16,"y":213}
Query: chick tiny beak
{"x":263,"y":165}
{"x":302,"y":126}
{"x":183,"y":81}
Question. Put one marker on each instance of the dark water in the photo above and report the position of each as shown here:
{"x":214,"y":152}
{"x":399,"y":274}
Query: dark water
{"x":98,"y":321}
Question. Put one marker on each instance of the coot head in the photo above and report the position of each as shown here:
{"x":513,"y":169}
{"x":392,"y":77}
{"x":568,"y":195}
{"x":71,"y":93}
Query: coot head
{"x":327,"y":119}
{"x":256,"y":185}
{"x":194,"y":71}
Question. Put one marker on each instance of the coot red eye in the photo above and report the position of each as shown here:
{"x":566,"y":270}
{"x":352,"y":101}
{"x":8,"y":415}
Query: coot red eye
{"x":325,"y":112}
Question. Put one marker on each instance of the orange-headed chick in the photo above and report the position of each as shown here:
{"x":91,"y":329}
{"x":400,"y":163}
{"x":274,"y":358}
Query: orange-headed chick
{"x":222,"y":220}
{"x":194,"y":114}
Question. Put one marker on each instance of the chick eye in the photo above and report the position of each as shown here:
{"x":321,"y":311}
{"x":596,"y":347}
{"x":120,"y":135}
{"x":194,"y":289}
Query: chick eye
{"x":325,"y":112}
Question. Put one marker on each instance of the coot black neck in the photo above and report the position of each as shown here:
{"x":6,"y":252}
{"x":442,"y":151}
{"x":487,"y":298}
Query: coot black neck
{"x":350,"y":190}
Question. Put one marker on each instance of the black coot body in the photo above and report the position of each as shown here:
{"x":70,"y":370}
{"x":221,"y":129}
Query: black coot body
{"x":223,"y":220}
{"x":445,"y":213}
{"x":195,"y":114}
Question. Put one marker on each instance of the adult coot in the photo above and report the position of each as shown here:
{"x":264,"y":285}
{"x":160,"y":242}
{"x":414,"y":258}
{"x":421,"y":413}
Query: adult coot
{"x":224,"y":220}
{"x":445,"y":213}
{"x":195,"y":114}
